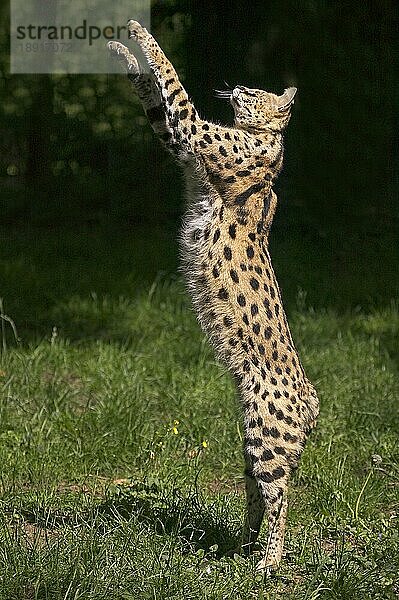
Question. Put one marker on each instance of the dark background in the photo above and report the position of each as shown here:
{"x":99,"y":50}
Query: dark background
{"x":77,"y":154}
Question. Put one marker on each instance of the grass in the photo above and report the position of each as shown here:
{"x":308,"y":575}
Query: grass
{"x":120,"y":436}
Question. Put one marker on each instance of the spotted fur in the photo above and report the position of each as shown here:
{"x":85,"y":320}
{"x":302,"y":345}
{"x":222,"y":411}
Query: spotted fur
{"x":229,"y":173}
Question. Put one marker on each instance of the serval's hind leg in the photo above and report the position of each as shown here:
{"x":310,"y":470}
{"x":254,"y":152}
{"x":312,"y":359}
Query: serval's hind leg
{"x":265,"y":497}
{"x":276,"y":505}
{"x":255,"y":510}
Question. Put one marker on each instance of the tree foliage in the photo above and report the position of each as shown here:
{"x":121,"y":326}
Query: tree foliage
{"x":80,"y":145}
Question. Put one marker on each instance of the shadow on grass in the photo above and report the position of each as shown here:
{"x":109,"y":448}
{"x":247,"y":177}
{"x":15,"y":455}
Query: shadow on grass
{"x":199,"y":524}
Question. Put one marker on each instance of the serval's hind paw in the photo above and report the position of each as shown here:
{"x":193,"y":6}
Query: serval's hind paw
{"x":267,"y":566}
{"x":123,"y":54}
{"x":237,"y":551}
{"x":244,"y":550}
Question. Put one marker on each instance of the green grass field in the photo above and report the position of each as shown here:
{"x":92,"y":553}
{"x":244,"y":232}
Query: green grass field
{"x":120,"y":436}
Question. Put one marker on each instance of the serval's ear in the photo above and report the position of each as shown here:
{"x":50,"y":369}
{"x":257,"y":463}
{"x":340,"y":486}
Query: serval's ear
{"x":286,"y":100}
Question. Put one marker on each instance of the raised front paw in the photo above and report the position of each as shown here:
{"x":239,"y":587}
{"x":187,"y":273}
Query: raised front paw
{"x":127,"y":59}
{"x":136,"y":31}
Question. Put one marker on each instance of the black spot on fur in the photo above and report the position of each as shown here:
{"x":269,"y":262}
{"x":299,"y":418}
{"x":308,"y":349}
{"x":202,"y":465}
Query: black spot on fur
{"x":267,"y":455}
{"x":256,"y":442}
{"x":229,"y":179}
{"x":266,"y":477}
{"x":254,"y":283}
{"x":253,"y":189}
{"x":278,"y":473}
{"x":254,"y":309}
{"x":241,"y":300}
{"x":232,"y":231}
{"x":290,"y":438}
{"x":227,"y":252}
{"x":234,"y":276}
{"x":173,"y":95}
{"x":268,"y":333}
